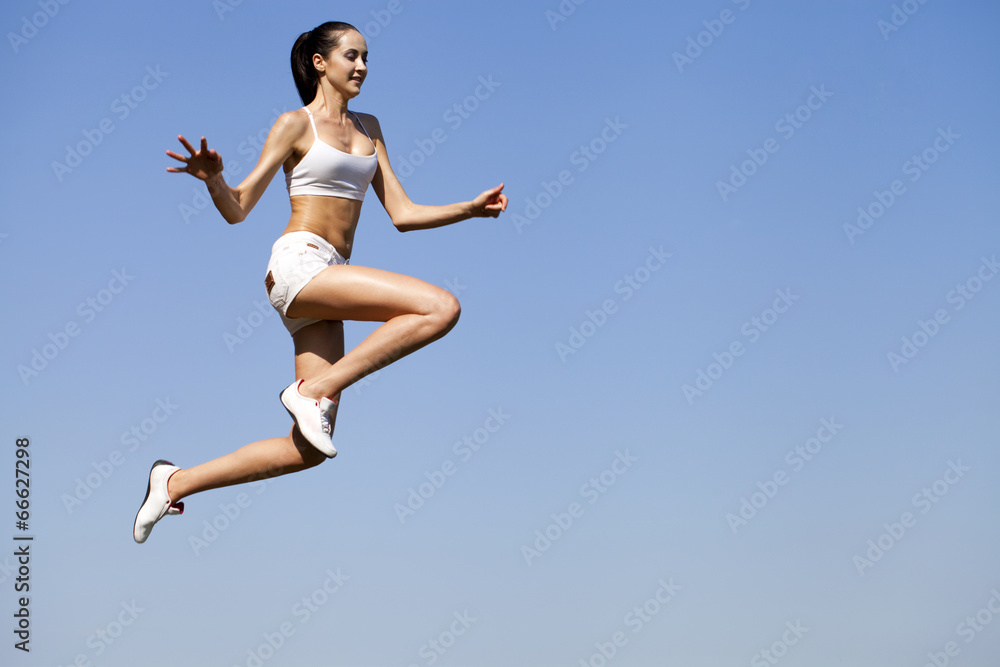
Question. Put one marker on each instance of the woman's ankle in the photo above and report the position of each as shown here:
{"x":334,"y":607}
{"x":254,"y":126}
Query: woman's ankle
{"x":174,"y":486}
{"x":316,"y":392}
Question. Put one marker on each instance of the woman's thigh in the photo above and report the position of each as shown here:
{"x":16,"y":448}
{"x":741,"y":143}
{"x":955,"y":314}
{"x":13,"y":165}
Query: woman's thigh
{"x":362,"y":293}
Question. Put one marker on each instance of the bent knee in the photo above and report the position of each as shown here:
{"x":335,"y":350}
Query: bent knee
{"x":445,"y":311}
{"x":452,"y":310}
{"x":312,"y":458}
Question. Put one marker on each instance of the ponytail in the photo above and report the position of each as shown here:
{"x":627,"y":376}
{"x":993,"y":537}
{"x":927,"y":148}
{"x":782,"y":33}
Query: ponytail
{"x":322,"y":40}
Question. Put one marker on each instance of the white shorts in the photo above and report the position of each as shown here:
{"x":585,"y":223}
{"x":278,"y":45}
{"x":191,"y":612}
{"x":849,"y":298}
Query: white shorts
{"x":296,"y":258}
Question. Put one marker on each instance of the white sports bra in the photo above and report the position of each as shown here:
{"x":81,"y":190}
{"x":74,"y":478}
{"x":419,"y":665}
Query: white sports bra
{"x":328,"y":171}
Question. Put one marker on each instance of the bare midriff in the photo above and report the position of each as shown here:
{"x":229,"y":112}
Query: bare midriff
{"x":333,"y":218}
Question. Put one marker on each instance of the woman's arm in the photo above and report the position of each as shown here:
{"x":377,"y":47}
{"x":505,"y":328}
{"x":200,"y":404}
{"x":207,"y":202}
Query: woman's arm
{"x":236,"y":203}
{"x":407,"y":216}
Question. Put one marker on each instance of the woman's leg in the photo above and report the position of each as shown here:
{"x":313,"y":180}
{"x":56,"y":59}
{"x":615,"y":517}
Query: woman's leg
{"x":258,"y":460}
{"x":415,"y":313}
{"x":317,"y":348}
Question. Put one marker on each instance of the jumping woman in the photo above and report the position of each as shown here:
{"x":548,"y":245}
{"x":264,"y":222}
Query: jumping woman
{"x":330,"y":156}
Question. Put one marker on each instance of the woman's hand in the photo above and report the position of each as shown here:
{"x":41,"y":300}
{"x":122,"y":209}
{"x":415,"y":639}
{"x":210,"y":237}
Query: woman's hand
{"x":490,"y":203}
{"x":203,"y":163}
{"x":206,"y":165}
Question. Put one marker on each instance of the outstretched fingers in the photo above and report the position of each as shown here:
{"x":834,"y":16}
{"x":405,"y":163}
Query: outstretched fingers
{"x":201,"y":163}
{"x":181,"y":158}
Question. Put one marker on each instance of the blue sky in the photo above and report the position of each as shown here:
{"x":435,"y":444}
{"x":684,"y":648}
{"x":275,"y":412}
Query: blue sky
{"x":694,"y":410}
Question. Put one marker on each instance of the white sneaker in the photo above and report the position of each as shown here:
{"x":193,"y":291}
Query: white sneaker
{"x":157,"y":503}
{"x":314,"y":418}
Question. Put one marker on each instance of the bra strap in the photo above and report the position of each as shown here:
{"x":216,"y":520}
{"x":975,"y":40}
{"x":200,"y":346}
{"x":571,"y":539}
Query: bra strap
{"x":364,"y":130}
{"x":313,"y":121}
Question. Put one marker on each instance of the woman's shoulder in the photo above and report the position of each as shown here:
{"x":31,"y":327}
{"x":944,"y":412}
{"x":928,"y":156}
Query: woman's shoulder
{"x":290,"y":127}
{"x":369,"y":121}
{"x":296,"y":119}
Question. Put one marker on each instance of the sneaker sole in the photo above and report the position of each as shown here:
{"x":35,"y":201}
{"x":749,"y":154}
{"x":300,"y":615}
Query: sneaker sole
{"x":149,"y":485}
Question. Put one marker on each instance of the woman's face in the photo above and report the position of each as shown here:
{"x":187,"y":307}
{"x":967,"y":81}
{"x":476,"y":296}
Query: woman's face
{"x":345,"y":67}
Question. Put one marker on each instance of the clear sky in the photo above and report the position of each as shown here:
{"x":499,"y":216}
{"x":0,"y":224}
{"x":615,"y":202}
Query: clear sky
{"x":724,"y":389}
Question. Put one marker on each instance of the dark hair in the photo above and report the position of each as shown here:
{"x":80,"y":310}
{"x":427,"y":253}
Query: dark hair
{"x":322,"y":39}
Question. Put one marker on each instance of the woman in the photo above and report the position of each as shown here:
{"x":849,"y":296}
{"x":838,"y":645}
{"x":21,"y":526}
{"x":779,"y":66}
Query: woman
{"x":330,"y":156}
